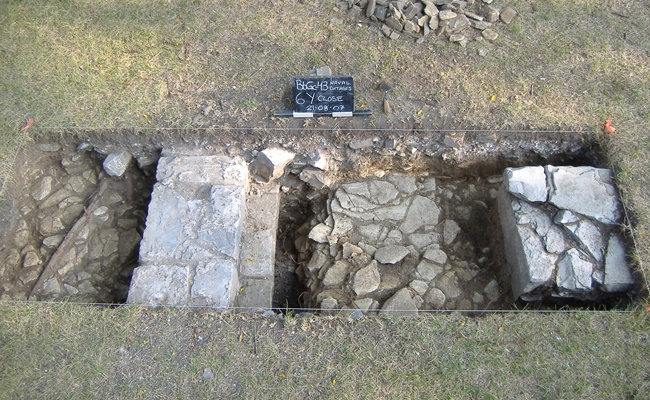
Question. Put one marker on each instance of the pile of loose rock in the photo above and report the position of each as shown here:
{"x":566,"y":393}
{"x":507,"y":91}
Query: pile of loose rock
{"x":393,"y":243}
{"x":459,"y":20}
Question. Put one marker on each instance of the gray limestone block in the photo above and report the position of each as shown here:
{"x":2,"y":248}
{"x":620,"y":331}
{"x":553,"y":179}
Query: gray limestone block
{"x":618,"y":276}
{"x":197,"y":171}
{"x":585,"y":190}
{"x":528,"y":183}
{"x":255,"y":293}
{"x":367,"y":279}
{"x":336,"y":274}
{"x":401,"y":303}
{"x":391,"y":254}
{"x":405,"y":184}
{"x":428,"y":271}
{"x":423,"y":211}
{"x":206,"y":226}
{"x":215,"y":284}
{"x":116,"y":164}
{"x":257,"y":254}
{"x":450,"y":230}
{"x":270,"y":163}
{"x":159,"y":285}
{"x":530,"y":265}
{"x":574,"y":273}
{"x":258,"y":238}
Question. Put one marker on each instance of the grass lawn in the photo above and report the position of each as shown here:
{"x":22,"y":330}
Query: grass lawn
{"x":83,"y":66}
{"x":74,"y":351}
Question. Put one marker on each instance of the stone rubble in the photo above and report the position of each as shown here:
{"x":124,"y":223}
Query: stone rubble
{"x":559,"y":226}
{"x":459,"y":20}
{"x":386,"y":243}
{"x":97,"y":267}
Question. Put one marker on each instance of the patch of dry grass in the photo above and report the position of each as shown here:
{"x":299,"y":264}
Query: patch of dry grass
{"x":74,"y":351}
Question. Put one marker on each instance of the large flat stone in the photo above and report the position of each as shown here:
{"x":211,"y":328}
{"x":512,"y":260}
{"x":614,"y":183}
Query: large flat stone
{"x":214,"y":284}
{"x":423,"y":211}
{"x":527,"y":183}
{"x":255,"y":293}
{"x":190,"y":247}
{"x":586,"y":190}
{"x":159,"y":285}
{"x":202,"y":227}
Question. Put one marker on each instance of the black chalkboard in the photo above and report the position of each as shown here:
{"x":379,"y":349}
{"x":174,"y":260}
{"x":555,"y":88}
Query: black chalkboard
{"x":328,"y":95}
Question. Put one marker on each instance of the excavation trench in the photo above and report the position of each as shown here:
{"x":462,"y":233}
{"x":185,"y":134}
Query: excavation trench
{"x":54,"y":219}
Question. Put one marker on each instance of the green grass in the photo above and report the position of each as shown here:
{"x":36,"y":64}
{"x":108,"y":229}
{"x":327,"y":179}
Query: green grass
{"x":73,"y":351}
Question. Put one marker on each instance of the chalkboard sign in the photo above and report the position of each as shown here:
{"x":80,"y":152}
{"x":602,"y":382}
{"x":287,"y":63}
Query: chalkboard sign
{"x":323,"y":95}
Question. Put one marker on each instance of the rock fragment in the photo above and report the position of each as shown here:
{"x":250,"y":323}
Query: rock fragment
{"x":270,"y":163}
{"x":391,"y":254}
{"x":116,"y":164}
{"x":507,"y":15}
{"x":367,"y":279}
{"x":401,"y":303}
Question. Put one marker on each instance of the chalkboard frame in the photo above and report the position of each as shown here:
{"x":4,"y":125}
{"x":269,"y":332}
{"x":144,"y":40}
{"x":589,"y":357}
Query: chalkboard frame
{"x":331,"y":95}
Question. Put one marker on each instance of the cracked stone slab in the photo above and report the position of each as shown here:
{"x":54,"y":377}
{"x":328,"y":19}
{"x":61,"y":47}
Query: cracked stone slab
{"x":423,"y":211}
{"x":201,"y":227}
{"x":215,"y":284}
{"x":159,"y":285}
{"x":574,"y":273}
{"x":527,"y":183}
{"x":618,"y":276}
{"x":530,"y":265}
{"x":585,"y":190}
{"x":589,"y":236}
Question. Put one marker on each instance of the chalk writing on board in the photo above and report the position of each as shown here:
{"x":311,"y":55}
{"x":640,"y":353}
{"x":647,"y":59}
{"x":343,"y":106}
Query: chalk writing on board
{"x":323,"y":95}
